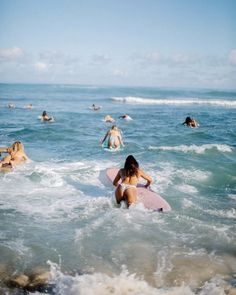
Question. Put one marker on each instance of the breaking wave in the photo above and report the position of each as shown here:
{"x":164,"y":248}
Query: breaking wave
{"x":194,"y":148}
{"x":189,"y":101}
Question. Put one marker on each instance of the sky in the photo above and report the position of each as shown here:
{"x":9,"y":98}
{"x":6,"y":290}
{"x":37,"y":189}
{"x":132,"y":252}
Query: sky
{"x":158,"y":43}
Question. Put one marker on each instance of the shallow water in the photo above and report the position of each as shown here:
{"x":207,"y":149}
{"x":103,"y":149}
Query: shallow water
{"x":57,"y":211}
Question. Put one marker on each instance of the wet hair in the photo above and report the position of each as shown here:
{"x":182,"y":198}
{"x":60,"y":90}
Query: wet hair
{"x":188,"y":120}
{"x":44,"y":113}
{"x":17,"y":146}
{"x":114,"y":127}
{"x":131,"y":166}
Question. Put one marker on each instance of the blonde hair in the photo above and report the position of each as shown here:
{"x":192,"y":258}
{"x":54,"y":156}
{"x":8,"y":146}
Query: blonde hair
{"x":18,"y":146}
{"x":114,"y":127}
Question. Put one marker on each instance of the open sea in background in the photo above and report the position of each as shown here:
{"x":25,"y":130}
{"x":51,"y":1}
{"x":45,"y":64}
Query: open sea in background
{"x":56,"y":211}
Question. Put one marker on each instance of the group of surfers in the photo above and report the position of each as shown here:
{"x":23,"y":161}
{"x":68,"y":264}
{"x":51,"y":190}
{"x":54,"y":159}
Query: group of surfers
{"x":127,"y":177}
{"x":114,"y":137}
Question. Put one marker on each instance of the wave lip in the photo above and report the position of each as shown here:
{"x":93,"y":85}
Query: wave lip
{"x":189,"y":101}
{"x":194,"y":148}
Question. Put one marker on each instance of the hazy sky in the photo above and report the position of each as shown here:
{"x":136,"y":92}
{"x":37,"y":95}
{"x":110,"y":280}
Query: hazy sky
{"x":185,"y":43}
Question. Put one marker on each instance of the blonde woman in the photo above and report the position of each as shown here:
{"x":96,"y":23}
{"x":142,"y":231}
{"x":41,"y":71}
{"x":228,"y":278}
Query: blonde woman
{"x":114,"y":138}
{"x":19,"y":155}
{"x":16,"y":155}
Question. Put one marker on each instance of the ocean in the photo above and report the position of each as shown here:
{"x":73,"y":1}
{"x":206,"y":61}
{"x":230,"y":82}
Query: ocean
{"x":57,"y":211}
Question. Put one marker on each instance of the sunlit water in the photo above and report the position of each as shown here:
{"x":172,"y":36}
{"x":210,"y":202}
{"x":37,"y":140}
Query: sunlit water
{"x":57,"y":211}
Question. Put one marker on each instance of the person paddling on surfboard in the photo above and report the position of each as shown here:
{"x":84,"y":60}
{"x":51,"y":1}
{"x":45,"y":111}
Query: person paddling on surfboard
{"x":129,"y":175}
{"x":190,"y":122}
{"x":114,"y":138}
{"x":45,"y":117}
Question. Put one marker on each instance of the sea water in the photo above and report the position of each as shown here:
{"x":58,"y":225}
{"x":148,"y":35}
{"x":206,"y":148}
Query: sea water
{"x":57,"y":210}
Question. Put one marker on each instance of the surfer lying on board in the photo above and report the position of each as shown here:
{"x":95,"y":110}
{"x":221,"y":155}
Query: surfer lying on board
{"x":190,"y":122}
{"x":45,"y":117}
{"x":114,"y":138}
{"x":126,"y":117}
{"x":129,"y":175}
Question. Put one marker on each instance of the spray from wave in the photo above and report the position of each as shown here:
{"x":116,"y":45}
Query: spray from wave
{"x":194,"y":148}
{"x":189,"y":101}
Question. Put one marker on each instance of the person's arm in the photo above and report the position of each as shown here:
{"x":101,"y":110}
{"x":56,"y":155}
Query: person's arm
{"x":121,"y":141}
{"x":6,"y":159}
{"x":116,"y":179}
{"x":105,"y":137}
{"x":146,"y":177}
{"x":3,"y":149}
{"x":25,"y":157}
{"x":196,"y":123}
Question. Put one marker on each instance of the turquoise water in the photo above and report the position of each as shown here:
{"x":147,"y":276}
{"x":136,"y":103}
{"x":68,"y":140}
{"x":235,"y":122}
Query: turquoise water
{"x":57,"y":211}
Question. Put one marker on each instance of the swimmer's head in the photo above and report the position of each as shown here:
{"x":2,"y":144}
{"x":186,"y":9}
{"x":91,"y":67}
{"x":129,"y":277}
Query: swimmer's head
{"x":18,"y":146}
{"x":44,"y":113}
{"x":114,"y":127}
{"x":188,"y":119}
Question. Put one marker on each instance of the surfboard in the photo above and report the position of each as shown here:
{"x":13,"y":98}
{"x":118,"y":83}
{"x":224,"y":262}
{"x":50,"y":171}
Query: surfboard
{"x":113,"y":149}
{"x":147,"y":197}
{"x":49,"y":121}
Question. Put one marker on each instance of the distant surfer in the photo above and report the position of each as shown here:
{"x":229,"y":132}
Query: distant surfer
{"x":190,"y":122}
{"x":109,"y":119}
{"x":45,"y":117}
{"x":129,"y":175}
{"x":28,"y":106}
{"x":11,"y":106}
{"x":126,"y":117}
{"x":95,"y":108}
{"x":114,"y":138}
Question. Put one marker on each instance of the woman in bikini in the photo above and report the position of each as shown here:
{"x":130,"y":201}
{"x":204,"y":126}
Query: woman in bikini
{"x":19,"y":156}
{"x":16,"y":155}
{"x":129,"y":175}
{"x":114,"y":138}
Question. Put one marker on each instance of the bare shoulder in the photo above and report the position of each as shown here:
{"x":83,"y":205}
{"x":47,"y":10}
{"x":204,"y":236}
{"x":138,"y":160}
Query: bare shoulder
{"x":140,"y":172}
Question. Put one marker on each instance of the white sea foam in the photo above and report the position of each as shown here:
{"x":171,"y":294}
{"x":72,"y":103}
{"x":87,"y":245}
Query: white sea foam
{"x":186,"y":188}
{"x":53,"y":190}
{"x":194,"y":148}
{"x":232,"y":196}
{"x":187,"y":203}
{"x":18,"y":246}
{"x":123,"y":284}
{"x":167,"y":174}
{"x":229,"y":213}
{"x":189,"y":101}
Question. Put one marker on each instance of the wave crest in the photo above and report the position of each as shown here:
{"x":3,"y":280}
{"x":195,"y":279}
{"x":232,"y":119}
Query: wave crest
{"x":188,"y":101}
{"x":194,"y":148}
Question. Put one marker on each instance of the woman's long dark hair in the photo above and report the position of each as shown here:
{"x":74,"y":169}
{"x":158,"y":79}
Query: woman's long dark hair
{"x":131,"y":166}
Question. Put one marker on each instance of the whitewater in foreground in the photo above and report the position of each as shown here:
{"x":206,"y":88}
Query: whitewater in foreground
{"x":57,"y":212}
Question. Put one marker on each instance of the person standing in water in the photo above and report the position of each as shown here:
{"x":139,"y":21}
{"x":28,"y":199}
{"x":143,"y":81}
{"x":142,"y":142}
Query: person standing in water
{"x":129,"y":175}
{"x":114,"y":138}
